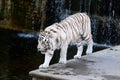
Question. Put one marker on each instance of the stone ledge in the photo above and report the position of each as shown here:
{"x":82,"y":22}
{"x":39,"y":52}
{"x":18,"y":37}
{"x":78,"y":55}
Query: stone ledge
{"x":101,"y":65}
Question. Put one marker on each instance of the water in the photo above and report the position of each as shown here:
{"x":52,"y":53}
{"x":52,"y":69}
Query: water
{"x":18,"y":54}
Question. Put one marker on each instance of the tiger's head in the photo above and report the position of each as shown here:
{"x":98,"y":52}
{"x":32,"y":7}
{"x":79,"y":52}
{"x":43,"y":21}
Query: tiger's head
{"x":48,"y":39}
{"x":43,"y":42}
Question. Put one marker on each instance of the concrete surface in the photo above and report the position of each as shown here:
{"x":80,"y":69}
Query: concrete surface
{"x":101,"y":65}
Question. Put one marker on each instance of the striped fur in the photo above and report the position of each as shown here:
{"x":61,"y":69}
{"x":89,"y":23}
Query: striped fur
{"x":59,"y":35}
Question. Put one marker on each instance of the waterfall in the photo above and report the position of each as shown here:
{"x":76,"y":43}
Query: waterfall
{"x":104,"y":26}
{"x":110,"y":9}
{"x":56,"y":11}
{"x":104,"y":15}
{"x":60,"y":10}
{"x":105,"y":30}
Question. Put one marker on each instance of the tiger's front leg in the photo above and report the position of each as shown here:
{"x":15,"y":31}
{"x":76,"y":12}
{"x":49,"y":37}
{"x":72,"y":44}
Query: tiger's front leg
{"x":63,"y":54}
{"x":48,"y":57}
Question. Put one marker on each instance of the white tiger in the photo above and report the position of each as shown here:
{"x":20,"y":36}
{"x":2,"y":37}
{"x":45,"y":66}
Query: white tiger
{"x":59,"y":35}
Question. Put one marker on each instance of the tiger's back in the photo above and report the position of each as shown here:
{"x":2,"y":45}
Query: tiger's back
{"x":72,"y":28}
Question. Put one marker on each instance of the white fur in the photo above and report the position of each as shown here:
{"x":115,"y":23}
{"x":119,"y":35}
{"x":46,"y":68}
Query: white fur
{"x":48,"y":57}
{"x":61,"y":34}
{"x":63,"y":54}
{"x":89,"y":48}
{"x":79,"y":52}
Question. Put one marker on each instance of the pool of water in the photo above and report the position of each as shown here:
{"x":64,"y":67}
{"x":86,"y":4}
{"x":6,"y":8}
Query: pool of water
{"x":18,"y":54}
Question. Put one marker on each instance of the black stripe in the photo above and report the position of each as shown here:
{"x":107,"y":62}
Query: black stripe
{"x":53,"y":30}
{"x":62,"y":27}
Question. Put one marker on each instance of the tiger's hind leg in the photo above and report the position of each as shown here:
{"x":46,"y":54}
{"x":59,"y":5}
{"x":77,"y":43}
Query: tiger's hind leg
{"x":90,"y":46}
{"x":80,"y":50}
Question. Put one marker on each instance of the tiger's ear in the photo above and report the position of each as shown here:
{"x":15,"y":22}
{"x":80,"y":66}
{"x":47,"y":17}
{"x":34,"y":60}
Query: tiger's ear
{"x":41,"y":33}
{"x":41,"y":30}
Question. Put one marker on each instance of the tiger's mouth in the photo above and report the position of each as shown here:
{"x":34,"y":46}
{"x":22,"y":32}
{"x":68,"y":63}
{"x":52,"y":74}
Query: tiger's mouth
{"x":42,"y":52}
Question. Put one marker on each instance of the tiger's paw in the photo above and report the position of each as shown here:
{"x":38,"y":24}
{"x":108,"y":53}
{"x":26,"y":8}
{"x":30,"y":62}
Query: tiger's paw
{"x":88,"y":52}
{"x":43,"y":66}
{"x":62,"y":61}
{"x":77,"y":57}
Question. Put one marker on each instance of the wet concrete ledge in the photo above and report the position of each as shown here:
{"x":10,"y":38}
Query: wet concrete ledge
{"x":101,"y":65}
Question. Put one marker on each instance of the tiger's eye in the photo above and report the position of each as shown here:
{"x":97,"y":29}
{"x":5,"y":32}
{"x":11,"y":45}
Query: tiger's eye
{"x":41,"y":38}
